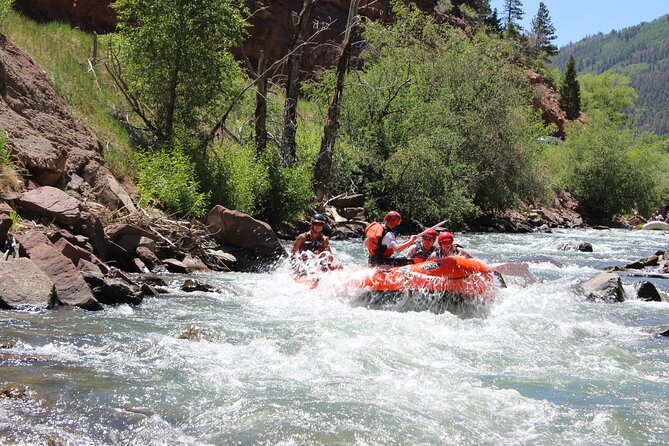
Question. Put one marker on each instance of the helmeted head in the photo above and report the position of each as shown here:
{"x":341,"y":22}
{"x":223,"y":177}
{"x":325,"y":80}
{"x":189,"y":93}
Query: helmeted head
{"x":429,"y":237}
{"x":393,"y":218}
{"x":445,"y":239}
{"x":318,"y":220}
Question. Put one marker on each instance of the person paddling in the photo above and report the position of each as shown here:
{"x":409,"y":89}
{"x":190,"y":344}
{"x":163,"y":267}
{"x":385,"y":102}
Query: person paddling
{"x":312,"y":244}
{"x":420,"y":251}
{"x":448,"y":248}
{"x":382,"y":242}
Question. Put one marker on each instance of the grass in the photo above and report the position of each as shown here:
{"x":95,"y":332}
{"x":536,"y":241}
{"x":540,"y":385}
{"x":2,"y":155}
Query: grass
{"x":64,"y":52}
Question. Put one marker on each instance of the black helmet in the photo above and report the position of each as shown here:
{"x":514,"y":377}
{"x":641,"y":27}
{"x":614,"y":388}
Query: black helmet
{"x":318,"y":218}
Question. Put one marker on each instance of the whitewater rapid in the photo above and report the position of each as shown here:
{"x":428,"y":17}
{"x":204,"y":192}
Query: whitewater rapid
{"x":292,"y":366}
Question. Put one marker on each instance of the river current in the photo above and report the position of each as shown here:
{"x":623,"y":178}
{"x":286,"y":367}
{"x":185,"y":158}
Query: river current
{"x":290,"y":366}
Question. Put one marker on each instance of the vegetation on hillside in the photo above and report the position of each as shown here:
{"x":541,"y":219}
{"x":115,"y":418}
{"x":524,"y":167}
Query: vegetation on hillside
{"x":640,"y":52}
{"x":435,"y":124}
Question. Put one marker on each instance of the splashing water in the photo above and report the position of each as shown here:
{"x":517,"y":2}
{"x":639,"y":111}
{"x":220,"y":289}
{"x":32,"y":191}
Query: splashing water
{"x":290,"y":365}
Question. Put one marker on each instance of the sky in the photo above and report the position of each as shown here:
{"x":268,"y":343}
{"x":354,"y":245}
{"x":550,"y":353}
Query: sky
{"x":577,"y":19}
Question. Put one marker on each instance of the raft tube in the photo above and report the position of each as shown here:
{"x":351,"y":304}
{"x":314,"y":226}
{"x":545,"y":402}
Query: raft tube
{"x":454,"y":274}
{"x":656,"y":226}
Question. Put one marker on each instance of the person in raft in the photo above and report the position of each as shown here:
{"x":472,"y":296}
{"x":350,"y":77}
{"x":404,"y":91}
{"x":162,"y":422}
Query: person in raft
{"x":420,"y":251}
{"x":448,"y":248}
{"x":311,"y":245}
{"x":381,"y":242}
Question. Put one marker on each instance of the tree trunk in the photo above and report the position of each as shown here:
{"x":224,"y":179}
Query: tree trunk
{"x":261,"y":106}
{"x":324,"y":162}
{"x":288,"y":154}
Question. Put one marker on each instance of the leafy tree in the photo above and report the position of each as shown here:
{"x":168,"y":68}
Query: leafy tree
{"x":570,"y":92}
{"x":610,"y":94}
{"x":513,"y":14}
{"x":544,"y":33}
{"x":440,"y":126}
{"x":608,"y":170}
{"x":176,"y":61}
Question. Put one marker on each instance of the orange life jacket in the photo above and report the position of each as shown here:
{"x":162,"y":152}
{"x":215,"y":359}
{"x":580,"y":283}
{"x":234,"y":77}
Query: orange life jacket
{"x":375,"y":233}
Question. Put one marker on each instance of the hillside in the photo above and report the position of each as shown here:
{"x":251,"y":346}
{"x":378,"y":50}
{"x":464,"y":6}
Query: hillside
{"x":640,"y":52}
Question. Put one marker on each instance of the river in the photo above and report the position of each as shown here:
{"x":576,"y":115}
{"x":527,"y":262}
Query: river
{"x":289,"y":366}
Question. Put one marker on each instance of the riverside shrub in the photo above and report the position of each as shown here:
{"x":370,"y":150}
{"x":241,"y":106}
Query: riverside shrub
{"x":607,"y":170}
{"x":167,"y":179}
{"x":442,"y":124}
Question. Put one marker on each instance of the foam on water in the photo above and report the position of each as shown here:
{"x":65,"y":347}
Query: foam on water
{"x":290,"y":365}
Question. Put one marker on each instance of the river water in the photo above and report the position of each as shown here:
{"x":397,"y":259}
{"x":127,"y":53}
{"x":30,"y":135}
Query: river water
{"x":292,"y":366}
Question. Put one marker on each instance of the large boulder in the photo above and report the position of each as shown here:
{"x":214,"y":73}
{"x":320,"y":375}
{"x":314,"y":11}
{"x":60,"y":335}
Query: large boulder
{"x":71,"y":288}
{"x":25,"y":285}
{"x":255,"y":240}
{"x":605,"y":286}
{"x":52,"y":203}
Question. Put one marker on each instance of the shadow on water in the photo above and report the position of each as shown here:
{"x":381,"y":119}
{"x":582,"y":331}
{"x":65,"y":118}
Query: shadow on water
{"x":465,"y":307}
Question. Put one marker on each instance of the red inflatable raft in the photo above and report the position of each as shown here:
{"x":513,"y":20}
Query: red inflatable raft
{"x":456,"y":275}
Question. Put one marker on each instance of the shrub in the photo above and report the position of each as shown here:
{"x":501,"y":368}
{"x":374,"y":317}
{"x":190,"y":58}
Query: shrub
{"x":608,"y":172}
{"x":167,"y":179}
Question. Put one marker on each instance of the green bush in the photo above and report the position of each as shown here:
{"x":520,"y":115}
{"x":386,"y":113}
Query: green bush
{"x":167,"y":179}
{"x":261,"y":187}
{"x":607,"y":170}
{"x":441,"y":126}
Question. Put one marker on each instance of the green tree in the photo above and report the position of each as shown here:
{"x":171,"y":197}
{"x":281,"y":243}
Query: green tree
{"x":543,"y":33}
{"x":570,"y":92}
{"x":440,"y":126}
{"x":176,"y":61}
{"x":610,"y":94}
{"x":513,"y":14}
{"x":608,"y":170}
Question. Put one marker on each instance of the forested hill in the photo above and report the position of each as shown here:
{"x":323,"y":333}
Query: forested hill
{"x":640,"y":52}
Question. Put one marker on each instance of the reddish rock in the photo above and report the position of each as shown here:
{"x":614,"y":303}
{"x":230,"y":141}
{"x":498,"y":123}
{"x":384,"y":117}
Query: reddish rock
{"x":5,"y":224}
{"x":5,"y":209}
{"x":53,"y":203}
{"x":72,"y":252}
{"x":140,"y":266}
{"x":90,"y":15}
{"x":112,"y":291}
{"x":546,"y":100}
{"x":25,"y":285}
{"x":195,"y":265}
{"x":148,"y":258}
{"x":175,"y":266}
{"x":71,"y":289}
{"x":90,"y":267}
{"x":234,"y":228}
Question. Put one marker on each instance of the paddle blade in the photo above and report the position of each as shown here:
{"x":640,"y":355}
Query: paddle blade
{"x":513,"y":269}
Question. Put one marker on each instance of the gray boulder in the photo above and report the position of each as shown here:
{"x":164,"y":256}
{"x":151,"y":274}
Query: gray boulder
{"x":25,"y":285}
{"x":606,"y":287}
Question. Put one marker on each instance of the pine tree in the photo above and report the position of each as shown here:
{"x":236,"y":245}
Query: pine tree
{"x":513,"y":14}
{"x":570,"y":91}
{"x":544,"y":33}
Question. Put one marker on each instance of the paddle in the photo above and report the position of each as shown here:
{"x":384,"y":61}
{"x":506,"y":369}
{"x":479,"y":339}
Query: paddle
{"x":513,"y":269}
{"x":438,"y":225}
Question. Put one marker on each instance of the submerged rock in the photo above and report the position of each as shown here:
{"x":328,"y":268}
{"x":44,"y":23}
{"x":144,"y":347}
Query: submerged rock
{"x":193,"y":333}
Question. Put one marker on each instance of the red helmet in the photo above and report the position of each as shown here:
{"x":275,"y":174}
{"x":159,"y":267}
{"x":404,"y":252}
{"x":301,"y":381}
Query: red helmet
{"x":445,"y":237}
{"x":430,"y":233}
{"x":393,"y":216}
